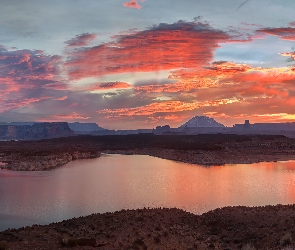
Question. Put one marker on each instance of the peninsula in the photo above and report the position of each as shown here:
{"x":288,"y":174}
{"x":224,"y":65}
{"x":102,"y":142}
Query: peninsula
{"x":203,"y":149}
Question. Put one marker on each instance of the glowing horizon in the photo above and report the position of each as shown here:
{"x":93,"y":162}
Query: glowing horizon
{"x":139,"y":64}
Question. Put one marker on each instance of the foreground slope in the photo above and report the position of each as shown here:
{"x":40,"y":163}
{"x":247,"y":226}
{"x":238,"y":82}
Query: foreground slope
{"x":270,"y":227}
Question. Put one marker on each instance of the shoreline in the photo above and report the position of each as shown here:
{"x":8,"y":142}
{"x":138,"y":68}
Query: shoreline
{"x":45,"y":163}
{"x":209,"y":158}
{"x":204,"y":150}
{"x":202,"y":158}
{"x":267,"y":227}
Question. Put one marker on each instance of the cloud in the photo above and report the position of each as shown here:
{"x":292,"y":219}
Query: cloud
{"x":286,"y":33}
{"x":289,"y":54}
{"x":18,"y":103}
{"x":292,"y":23}
{"x":163,"y":47}
{"x":24,"y":75}
{"x":28,"y":68}
{"x":109,"y":86}
{"x":81,"y":40}
{"x":161,"y":107}
{"x":132,"y":4}
{"x":186,"y":80}
{"x":62,"y":98}
{"x":242,"y":4}
{"x":67,"y":117}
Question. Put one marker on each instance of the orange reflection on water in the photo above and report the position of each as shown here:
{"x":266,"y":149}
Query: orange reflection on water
{"x":114,"y":182}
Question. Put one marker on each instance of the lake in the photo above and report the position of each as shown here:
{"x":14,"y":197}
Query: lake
{"x":115,"y":182}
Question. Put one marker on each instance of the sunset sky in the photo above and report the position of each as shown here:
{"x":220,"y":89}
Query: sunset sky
{"x":142,"y":63}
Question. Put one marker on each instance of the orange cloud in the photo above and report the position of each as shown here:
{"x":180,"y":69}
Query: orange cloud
{"x":289,"y":54}
{"x":187,"y":80}
{"x":162,"y":107}
{"x":132,"y":4}
{"x":164,"y":47}
{"x":61,"y":98}
{"x":67,"y":117}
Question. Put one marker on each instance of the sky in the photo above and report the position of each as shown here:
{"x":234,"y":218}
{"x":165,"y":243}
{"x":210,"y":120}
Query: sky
{"x":143,"y":63}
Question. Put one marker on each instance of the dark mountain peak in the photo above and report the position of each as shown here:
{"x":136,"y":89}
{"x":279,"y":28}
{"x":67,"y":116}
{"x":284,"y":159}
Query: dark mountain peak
{"x":202,"y":121}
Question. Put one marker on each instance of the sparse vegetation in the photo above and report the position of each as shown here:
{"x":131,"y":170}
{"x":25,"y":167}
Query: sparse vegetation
{"x":67,"y":242}
{"x":246,"y":228}
{"x":248,"y":247}
{"x":3,"y":245}
{"x":286,"y":240}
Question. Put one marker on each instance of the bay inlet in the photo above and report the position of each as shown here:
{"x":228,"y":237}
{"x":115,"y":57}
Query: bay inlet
{"x":114,"y":182}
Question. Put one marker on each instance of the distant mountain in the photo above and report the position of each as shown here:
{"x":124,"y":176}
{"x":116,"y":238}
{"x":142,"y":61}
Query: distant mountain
{"x":84,"y":127}
{"x":36,"y":131}
{"x":202,"y":121}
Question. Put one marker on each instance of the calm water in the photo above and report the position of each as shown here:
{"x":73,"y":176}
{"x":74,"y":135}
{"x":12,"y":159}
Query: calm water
{"x":114,"y":182}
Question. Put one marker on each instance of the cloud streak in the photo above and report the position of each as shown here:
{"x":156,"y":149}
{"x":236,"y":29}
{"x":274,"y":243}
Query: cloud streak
{"x":242,"y":4}
{"x":285,"y":33}
{"x":81,"y":40}
{"x":162,"y":107}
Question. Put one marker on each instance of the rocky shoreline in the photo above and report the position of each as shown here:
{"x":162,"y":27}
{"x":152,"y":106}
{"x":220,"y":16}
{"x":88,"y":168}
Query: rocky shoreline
{"x":203,"y":158}
{"x":213,"y":158}
{"x":43,"y":163}
{"x":205,"y":150}
{"x":269,"y":227}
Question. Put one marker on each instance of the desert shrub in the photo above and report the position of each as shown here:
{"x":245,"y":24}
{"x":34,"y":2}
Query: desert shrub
{"x":286,"y":240}
{"x":3,"y":245}
{"x":72,"y":242}
{"x":62,"y":241}
{"x":67,"y":242}
{"x":248,"y":247}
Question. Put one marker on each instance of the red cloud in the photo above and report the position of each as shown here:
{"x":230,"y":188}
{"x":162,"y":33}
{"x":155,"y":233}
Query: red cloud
{"x":287,"y":33}
{"x":132,"y":4}
{"x":163,"y":47}
{"x":81,"y":40}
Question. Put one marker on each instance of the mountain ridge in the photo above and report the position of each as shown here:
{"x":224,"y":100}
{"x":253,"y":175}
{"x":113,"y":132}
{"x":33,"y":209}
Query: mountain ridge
{"x":202,"y":121}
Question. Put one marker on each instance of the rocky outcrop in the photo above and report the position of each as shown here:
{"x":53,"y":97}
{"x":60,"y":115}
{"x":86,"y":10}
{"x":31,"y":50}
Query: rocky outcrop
{"x":84,"y":127}
{"x":46,"y":162}
{"x":13,"y":132}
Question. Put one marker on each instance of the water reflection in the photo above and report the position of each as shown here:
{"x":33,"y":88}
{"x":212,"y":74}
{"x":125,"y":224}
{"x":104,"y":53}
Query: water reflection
{"x":114,"y":182}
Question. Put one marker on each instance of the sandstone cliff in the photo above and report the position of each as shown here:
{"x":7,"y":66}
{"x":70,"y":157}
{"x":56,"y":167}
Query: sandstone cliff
{"x":36,"y":131}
